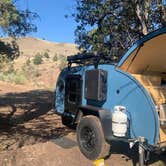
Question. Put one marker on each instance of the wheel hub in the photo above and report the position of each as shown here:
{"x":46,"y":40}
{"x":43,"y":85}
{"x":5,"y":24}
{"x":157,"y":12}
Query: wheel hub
{"x":88,"y":138}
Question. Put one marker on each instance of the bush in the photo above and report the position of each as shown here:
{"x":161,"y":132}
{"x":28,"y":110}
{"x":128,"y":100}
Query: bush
{"x":10,"y":69}
{"x":55,"y":58}
{"x":46,"y":55}
{"x":4,"y":61}
{"x":28,"y":72}
{"x":62,"y":63}
{"x":15,"y":77}
{"x":1,"y":66}
{"x":38,"y":59}
{"x":19,"y":79}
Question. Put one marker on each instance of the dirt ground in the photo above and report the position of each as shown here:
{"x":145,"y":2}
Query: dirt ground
{"x":31,"y":134}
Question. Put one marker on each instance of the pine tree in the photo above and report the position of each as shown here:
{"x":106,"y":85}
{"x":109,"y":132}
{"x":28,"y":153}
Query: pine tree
{"x":14,"y":22}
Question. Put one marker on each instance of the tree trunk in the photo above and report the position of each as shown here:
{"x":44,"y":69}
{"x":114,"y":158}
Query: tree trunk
{"x":142,"y":18}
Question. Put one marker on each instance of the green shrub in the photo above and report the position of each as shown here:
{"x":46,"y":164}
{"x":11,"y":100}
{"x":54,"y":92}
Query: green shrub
{"x":28,"y":72}
{"x":46,"y":55}
{"x":15,"y":77}
{"x":1,"y":76}
{"x":4,"y":61}
{"x":20,"y":78}
{"x":38,"y":59}
{"x":1,"y":66}
{"x":55,"y":58}
{"x":10,"y":69}
{"x":62,"y":63}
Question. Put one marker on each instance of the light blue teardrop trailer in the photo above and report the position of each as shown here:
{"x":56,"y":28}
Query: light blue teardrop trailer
{"x":117,"y":102}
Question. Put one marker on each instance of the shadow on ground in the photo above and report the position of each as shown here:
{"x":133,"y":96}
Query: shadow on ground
{"x":26,"y":118}
{"x":65,"y":142}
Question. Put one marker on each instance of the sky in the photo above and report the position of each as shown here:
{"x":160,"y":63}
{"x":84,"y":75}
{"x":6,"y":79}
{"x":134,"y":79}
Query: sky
{"x":52,"y":25}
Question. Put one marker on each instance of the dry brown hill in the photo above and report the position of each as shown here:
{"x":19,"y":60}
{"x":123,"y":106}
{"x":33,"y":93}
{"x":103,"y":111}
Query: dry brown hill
{"x":29,"y":46}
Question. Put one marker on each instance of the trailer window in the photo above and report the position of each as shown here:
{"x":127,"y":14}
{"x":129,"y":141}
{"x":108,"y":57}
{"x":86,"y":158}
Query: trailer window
{"x":73,"y":89}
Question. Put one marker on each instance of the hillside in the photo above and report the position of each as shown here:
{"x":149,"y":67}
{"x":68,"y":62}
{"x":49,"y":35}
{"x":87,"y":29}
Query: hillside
{"x":29,"y":46}
{"x":39,"y":63}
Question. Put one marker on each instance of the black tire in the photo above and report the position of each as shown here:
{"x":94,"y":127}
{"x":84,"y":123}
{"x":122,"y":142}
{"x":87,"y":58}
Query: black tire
{"x":90,"y":138}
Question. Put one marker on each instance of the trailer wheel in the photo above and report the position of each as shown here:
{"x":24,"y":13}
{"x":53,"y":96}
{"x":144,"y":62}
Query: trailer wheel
{"x":90,"y":138}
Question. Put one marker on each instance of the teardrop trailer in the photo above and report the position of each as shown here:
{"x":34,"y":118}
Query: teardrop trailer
{"x":117,"y":102}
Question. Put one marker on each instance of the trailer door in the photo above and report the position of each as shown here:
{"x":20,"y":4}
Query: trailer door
{"x":73,"y":94}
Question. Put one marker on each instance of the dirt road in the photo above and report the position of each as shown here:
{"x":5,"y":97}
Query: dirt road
{"x":32,"y":135}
